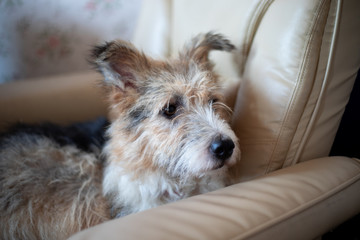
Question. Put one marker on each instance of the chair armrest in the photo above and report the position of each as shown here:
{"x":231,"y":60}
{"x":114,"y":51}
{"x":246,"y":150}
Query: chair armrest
{"x":60,"y":99}
{"x":300,"y":202}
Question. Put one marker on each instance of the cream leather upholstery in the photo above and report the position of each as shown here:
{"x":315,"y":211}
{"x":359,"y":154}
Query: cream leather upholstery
{"x":292,"y":203}
{"x":296,"y":64}
{"x":60,"y":99}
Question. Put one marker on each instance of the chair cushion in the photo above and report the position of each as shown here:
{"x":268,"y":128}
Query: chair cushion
{"x":293,"y":203}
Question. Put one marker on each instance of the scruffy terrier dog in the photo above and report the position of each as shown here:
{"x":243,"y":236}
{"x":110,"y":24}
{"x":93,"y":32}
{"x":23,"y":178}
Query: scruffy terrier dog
{"x":168,"y":139}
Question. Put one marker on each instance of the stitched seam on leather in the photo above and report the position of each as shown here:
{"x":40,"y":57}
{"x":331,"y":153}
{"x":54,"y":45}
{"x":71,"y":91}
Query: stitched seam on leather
{"x":296,"y":148}
{"x":301,"y":208}
{"x":295,"y":93}
{"x":308,"y":48}
{"x":323,"y":87}
{"x":253,"y":25}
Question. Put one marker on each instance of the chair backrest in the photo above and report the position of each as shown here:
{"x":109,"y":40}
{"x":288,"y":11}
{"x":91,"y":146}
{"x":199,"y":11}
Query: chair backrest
{"x":297,"y":61}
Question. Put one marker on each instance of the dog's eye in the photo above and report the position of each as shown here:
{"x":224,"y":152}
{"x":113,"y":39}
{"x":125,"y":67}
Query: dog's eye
{"x":213,"y":100}
{"x":169,"y":111}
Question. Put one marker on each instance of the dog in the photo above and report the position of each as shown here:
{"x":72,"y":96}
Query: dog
{"x":168,"y":138}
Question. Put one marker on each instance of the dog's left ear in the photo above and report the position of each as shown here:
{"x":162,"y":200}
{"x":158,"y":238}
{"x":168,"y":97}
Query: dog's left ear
{"x":121,"y":64}
{"x":200,"y":46}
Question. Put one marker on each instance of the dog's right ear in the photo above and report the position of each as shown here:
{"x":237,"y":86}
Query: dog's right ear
{"x":121,"y":64}
{"x":200,"y":46}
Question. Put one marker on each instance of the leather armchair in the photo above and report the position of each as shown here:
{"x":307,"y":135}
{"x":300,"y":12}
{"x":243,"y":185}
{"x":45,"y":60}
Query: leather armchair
{"x":296,"y":64}
{"x":297,"y":61}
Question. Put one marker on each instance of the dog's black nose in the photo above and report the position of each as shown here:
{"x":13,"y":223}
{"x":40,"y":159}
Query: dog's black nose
{"x":222,"y":148}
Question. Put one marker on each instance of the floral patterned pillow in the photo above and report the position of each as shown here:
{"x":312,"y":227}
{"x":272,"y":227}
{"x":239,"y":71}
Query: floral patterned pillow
{"x":46,"y":37}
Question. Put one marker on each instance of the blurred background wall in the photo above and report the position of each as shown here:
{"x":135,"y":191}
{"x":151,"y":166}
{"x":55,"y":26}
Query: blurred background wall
{"x":46,"y":37}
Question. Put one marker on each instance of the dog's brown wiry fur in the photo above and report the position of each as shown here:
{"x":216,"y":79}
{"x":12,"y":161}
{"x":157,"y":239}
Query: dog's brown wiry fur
{"x":48,"y":192}
{"x":168,"y":120}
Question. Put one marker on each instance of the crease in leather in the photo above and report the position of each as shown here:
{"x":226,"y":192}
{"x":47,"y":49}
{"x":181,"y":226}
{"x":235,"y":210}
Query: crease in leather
{"x":253,"y":24}
{"x":297,"y":91}
{"x":315,"y":112}
{"x":302,"y":207}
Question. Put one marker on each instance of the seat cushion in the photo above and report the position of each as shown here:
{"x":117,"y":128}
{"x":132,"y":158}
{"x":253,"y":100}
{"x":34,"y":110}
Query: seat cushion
{"x":300,"y":202}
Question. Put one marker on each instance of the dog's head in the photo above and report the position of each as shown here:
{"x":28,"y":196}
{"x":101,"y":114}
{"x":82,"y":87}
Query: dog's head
{"x":167,"y":114}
